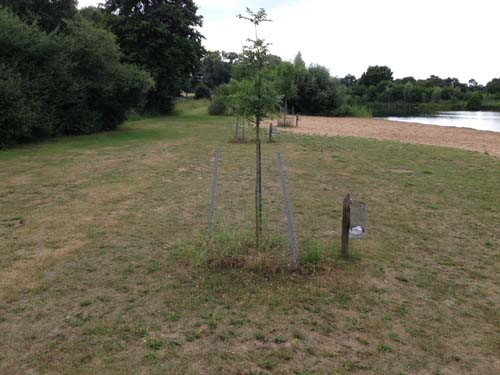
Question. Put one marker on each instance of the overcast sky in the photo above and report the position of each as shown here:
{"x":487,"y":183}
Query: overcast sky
{"x":456,"y":38}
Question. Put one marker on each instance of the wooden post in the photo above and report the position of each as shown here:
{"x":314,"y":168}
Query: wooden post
{"x":236,"y":137}
{"x":270,"y":132}
{"x":346,"y":222}
{"x":297,"y":121}
{"x":285,"y":112}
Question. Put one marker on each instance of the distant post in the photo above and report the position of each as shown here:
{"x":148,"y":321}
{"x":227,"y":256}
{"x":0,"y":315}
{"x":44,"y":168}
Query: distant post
{"x":236,"y":137}
{"x":346,"y":222}
{"x":270,"y":132}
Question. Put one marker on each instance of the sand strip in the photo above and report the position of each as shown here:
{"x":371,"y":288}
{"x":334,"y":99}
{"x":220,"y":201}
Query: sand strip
{"x":463,"y":138}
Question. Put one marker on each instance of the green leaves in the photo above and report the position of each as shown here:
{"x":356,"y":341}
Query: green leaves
{"x":66,"y":82}
{"x":48,"y":14}
{"x":255,"y":96}
{"x":162,"y":37}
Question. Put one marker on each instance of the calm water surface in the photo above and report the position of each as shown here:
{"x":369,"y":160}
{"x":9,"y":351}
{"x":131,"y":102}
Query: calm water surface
{"x":463,"y":119}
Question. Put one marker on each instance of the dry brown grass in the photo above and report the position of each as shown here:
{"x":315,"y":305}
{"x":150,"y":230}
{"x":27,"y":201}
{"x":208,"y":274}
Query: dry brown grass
{"x":106,"y":275}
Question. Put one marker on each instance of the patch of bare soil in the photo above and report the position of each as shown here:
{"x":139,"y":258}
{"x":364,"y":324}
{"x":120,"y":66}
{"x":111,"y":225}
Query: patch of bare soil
{"x":463,"y":138}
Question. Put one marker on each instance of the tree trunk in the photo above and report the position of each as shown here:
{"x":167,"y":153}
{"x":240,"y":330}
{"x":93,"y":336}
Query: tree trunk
{"x":285,"y":112}
{"x":258,"y":187}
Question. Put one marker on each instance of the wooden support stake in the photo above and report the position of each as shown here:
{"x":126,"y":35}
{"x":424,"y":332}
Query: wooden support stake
{"x":236,"y":137}
{"x":346,"y":222}
{"x":270,"y":132}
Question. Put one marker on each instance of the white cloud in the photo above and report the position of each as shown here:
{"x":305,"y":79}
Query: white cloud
{"x":454,"y":38}
{"x":420,"y":38}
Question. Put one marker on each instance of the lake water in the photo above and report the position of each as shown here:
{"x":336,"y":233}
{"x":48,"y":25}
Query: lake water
{"x":463,"y":119}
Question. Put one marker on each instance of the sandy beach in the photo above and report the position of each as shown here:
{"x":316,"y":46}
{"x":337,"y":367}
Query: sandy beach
{"x":463,"y":138}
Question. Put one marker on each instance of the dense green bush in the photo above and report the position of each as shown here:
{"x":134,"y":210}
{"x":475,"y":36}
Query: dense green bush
{"x":202,"y":92}
{"x":474,"y":102}
{"x":102,"y":88}
{"x":493,"y":87}
{"x":318,"y":93}
{"x":29,"y":80}
{"x":15,"y":108}
{"x":217,"y":106}
{"x":48,"y":14}
{"x":68,"y":82}
{"x":347,"y":110}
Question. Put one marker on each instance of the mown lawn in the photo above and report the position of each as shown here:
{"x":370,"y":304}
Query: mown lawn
{"x":102,"y":271}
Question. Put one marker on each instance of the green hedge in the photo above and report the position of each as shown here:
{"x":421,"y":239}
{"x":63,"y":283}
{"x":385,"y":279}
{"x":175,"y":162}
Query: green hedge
{"x":66,"y":82}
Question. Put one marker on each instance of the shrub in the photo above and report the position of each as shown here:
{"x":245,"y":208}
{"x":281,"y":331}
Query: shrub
{"x":17,"y":117}
{"x":352,"y":111}
{"x":71,"y":82}
{"x":217,"y":106}
{"x":318,"y":93}
{"x":30,"y":81}
{"x":102,"y":89}
{"x":474,"y":102}
{"x":202,"y":92}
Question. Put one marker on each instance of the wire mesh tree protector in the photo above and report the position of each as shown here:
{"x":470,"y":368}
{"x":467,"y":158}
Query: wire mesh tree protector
{"x":260,"y":187}
{"x":357,"y":224}
{"x":212,"y":201}
{"x":291,"y":227}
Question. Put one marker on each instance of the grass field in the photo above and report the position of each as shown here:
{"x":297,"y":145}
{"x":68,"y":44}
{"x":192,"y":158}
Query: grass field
{"x":101,"y":271}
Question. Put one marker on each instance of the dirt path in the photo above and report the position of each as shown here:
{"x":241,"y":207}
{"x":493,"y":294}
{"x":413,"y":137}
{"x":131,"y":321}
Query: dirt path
{"x":463,"y":138}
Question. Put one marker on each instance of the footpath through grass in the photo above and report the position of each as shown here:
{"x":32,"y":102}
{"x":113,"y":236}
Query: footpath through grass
{"x":100,"y":269}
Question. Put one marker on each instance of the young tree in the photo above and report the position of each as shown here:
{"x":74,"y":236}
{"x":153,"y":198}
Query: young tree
{"x":287,"y":85}
{"x":260,"y":98}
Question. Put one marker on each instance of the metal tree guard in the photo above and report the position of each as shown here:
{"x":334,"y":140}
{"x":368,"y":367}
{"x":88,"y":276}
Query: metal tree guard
{"x":291,"y":227}
{"x":212,"y":202}
{"x":357,"y":224}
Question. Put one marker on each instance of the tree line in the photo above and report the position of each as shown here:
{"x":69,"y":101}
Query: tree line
{"x":312,"y":90}
{"x":66,"y":71}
